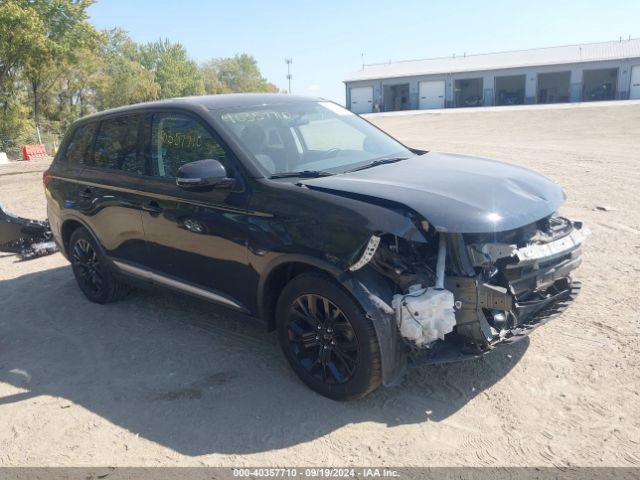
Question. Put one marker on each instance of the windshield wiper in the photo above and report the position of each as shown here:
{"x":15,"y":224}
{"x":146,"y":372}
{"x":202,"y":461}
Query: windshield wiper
{"x":303,"y":174}
{"x":381,"y":161}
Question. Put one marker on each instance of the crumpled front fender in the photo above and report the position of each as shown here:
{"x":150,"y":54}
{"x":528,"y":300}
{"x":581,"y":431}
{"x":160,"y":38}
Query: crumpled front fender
{"x":374,"y":295}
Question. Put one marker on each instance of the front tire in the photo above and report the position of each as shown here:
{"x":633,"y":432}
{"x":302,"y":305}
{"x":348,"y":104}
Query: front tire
{"x":327,"y":339}
{"x":94,"y":277}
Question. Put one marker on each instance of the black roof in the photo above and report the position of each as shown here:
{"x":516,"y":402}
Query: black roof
{"x":214,"y":102}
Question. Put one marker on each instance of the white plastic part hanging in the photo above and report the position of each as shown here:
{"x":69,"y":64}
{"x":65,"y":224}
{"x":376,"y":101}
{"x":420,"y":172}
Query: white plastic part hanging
{"x":367,"y":255}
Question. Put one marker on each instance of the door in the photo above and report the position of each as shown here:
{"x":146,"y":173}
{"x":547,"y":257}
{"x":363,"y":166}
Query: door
{"x":196,"y":239}
{"x":431,"y":94}
{"x":109,"y":197}
{"x":361,"y":99}
{"x":634,"y":90}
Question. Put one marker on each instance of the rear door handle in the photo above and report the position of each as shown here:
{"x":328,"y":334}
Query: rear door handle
{"x":87,"y":192}
{"x":152,"y":207}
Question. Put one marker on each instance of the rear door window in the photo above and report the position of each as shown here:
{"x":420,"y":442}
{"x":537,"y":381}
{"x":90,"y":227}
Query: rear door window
{"x":116,"y":145}
{"x":79,"y":145}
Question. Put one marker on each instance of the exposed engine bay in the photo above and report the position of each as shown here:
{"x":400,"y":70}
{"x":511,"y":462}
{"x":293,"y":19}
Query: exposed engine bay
{"x":461,"y":294}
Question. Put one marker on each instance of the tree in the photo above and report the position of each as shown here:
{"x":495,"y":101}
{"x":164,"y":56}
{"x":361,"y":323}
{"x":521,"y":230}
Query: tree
{"x":64,"y":31}
{"x":20,"y":39}
{"x":55,"y":67}
{"x":177,"y":75}
{"x":123,"y":79}
{"x":15,"y":127}
{"x":236,"y":74}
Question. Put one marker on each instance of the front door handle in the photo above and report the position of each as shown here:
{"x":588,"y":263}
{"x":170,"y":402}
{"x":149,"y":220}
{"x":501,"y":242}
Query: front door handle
{"x":87,"y":192}
{"x":152,"y":207}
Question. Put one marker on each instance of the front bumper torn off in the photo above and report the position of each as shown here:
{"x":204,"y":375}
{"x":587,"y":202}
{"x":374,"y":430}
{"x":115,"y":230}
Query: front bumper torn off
{"x":455,"y":349}
{"x":24,"y":237}
{"x":526,"y":287}
{"x":481,"y":254}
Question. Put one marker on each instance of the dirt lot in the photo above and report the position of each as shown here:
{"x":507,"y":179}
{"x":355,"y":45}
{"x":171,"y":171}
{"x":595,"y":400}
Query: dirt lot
{"x":160,"y":379}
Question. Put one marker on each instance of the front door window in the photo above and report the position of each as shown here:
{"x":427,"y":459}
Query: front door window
{"x":179,"y":139}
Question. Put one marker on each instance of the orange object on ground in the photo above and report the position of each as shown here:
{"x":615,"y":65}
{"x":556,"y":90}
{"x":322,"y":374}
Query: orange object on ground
{"x":34,"y":152}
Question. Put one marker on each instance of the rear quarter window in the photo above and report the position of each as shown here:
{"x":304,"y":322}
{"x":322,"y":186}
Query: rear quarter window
{"x":79,"y":145}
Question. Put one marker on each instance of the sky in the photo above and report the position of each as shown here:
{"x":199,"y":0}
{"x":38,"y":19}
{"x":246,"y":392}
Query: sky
{"x":327,"y":39}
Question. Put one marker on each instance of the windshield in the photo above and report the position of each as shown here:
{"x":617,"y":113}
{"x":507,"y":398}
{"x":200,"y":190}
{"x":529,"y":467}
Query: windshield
{"x":308,"y":137}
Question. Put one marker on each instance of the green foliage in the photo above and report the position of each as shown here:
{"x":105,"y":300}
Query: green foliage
{"x":55,"y":67}
{"x":177,"y":75}
{"x":15,"y":128}
{"x":122,"y":80}
{"x":19,"y":40}
{"x":64,"y":31}
{"x":233,"y":75}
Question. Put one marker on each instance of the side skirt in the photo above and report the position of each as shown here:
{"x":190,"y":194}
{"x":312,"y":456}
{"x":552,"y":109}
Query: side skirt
{"x":178,"y":285}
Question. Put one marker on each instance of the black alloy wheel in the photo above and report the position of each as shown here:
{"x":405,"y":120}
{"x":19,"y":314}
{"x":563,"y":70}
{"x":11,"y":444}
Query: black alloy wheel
{"x":85,"y":261}
{"x":326,"y":337}
{"x":94,"y":277}
{"x":322,"y":339}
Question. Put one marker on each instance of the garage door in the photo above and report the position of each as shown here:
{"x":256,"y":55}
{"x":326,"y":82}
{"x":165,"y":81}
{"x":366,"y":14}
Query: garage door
{"x":362,"y":100}
{"x":432,"y":94}
{"x":634,"y":92}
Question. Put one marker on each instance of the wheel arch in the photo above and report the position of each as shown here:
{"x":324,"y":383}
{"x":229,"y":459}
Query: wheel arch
{"x":70,"y":225}
{"x":372,"y":292}
{"x":278,"y":273}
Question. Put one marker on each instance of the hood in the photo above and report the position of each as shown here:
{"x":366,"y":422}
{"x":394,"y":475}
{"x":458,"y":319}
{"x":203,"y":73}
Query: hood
{"x":455,"y":193}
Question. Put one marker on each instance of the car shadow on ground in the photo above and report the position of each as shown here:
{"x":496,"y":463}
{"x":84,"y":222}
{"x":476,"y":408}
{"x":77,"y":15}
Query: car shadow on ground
{"x":194,"y":377}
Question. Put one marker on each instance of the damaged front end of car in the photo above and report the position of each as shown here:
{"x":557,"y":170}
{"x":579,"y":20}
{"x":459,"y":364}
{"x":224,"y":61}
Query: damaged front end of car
{"x":459,"y":295}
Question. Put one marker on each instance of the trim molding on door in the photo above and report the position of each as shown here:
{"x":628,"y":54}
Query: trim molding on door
{"x":163,"y":196}
{"x":178,"y":285}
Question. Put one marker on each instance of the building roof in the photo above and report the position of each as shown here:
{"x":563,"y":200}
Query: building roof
{"x":587,"y":52}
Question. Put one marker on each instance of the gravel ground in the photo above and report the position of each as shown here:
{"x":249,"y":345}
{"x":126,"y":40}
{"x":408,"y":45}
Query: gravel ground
{"x":160,"y":379}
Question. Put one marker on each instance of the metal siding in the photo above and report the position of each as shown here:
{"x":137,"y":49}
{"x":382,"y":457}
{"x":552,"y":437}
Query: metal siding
{"x":530,"y":87}
{"x":575,"y":87}
{"x":570,"y":54}
{"x":634,"y":89}
{"x":575,"y":93}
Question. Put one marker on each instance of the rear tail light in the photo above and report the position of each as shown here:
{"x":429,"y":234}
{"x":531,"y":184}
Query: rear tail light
{"x":47,"y":176}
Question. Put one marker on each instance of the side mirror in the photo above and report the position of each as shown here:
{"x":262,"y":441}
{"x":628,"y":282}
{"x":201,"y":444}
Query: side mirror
{"x":203,"y":175}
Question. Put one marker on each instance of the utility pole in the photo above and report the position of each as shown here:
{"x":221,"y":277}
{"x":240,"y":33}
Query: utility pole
{"x":289,"y":61}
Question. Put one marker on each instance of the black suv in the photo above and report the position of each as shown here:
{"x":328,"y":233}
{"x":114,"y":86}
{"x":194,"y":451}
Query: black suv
{"x":365,"y":255}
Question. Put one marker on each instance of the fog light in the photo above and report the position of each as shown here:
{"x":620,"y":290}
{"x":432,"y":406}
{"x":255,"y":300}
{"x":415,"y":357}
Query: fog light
{"x":499,"y":319}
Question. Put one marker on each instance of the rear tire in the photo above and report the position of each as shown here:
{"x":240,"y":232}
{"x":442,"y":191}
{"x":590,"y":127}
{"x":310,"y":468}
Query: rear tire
{"x":327,"y":339}
{"x":93,"y":274}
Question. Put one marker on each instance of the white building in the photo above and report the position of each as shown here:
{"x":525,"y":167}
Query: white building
{"x":572,"y":73}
